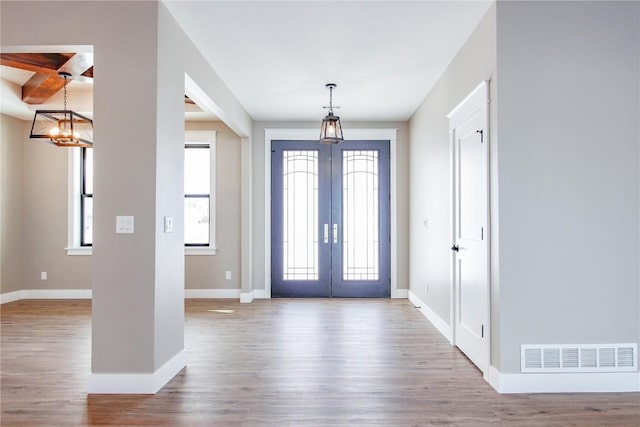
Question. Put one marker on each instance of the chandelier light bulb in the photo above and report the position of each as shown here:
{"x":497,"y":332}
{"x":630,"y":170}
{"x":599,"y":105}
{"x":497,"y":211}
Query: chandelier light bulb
{"x":331,"y":130}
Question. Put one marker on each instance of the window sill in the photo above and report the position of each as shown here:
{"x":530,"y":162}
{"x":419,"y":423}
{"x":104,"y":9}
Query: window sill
{"x":79,"y":251}
{"x":198,"y":251}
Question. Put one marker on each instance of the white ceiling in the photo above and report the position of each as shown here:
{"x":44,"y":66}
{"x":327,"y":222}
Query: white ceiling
{"x":276,"y":56}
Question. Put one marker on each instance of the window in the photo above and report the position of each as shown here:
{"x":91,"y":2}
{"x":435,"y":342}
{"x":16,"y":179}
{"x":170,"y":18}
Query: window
{"x":86,"y":197}
{"x":199,"y":202}
{"x":80,"y":220}
{"x":197,"y":195}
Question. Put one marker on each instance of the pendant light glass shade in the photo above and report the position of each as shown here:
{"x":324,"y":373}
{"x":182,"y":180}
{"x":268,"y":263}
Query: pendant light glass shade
{"x":331,"y":129}
{"x":64,"y":128}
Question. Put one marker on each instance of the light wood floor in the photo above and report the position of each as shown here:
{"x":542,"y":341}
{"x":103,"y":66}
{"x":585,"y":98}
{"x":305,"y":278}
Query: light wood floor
{"x":278,"y":363}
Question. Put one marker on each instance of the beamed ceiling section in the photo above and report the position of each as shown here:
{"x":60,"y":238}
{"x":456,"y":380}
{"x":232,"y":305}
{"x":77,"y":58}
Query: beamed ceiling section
{"x":46,"y":82}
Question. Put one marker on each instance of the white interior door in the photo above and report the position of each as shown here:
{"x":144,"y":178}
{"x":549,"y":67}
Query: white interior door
{"x":470,"y":272}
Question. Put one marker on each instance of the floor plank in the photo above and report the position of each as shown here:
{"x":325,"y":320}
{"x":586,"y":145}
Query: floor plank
{"x":281,"y":362}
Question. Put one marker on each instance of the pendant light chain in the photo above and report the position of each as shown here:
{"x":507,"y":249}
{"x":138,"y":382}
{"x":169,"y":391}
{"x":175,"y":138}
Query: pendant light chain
{"x":331,"y":99}
{"x":65,"y":92}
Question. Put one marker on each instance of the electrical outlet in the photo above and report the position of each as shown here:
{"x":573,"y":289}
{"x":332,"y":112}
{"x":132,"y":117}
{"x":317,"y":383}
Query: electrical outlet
{"x":227,"y":275}
{"x":43,"y":275}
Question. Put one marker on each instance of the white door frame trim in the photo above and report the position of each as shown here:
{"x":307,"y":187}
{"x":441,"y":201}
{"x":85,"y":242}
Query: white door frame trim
{"x":384,"y":134}
{"x":476,"y":100}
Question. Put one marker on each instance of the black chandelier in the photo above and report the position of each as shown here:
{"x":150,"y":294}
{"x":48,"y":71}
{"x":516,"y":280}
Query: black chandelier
{"x":64,"y":128}
{"x":331,"y":129}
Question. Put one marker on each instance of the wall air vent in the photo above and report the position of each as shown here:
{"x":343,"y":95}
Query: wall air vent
{"x":578,"y":358}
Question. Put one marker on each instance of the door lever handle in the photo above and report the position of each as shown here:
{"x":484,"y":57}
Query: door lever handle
{"x":455,"y":248}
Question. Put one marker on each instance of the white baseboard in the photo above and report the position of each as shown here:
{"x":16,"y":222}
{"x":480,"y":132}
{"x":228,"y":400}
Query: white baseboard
{"x":400,"y":293}
{"x":212,"y":293}
{"x":45,"y":294}
{"x":591,"y":382}
{"x":86,"y":294}
{"x":137,"y":383}
{"x":58,"y":294}
{"x":12,"y":296}
{"x":247,"y":297}
{"x":436,"y":321}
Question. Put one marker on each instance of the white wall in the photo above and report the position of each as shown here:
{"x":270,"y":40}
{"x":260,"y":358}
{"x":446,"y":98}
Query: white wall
{"x":208,"y":272}
{"x":11,"y":189}
{"x":430,"y":175}
{"x":137,"y":278}
{"x":35,"y":215}
{"x":568,"y":174}
{"x":46,"y":211}
{"x":565,"y":174}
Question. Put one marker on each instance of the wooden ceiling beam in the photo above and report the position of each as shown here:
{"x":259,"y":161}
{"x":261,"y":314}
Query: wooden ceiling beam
{"x":88,"y":73}
{"x":41,"y":87}
{"x":45,"y":63}
{"x":46,"y":82}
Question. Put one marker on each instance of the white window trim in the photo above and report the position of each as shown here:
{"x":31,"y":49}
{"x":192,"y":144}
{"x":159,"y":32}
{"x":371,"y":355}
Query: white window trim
{"x":73,"y":213}
{"x":209,"y":137}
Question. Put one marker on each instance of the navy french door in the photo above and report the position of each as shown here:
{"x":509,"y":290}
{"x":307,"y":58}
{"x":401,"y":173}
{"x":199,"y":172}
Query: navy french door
{"x":330,"y":233}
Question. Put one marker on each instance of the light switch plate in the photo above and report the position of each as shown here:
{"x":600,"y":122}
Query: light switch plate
{"x":168,"y":224}
{"x":124,"y":224}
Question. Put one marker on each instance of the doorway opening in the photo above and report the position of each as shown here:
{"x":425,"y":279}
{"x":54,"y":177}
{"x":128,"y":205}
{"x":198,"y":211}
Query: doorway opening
{"x":330,"y":219}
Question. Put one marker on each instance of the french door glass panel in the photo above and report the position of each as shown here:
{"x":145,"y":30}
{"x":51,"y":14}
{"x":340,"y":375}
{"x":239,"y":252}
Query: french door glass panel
{"x":330,"y":207}
{"x":300,"y":215}
{"x":360,"y":236}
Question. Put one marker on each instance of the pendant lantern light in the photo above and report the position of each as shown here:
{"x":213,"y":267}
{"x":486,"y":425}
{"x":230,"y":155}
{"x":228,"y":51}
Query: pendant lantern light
{"x":331,"y":129}
{"x":64,"y":128}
